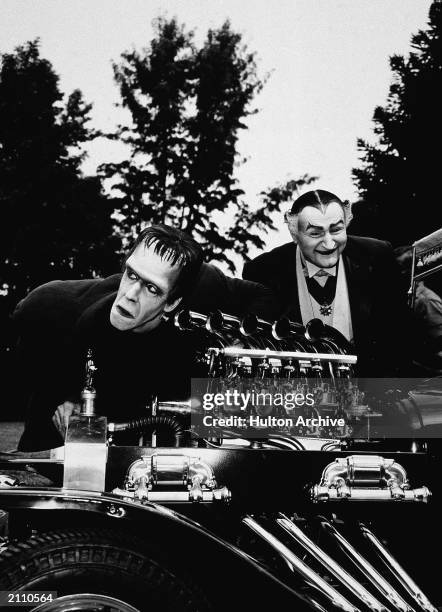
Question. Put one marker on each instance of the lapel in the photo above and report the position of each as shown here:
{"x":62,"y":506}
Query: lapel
{"x":293,"y":310}
{"x":361,"y":285}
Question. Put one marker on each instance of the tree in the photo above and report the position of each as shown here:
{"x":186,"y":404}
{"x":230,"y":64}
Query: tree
{"x":187,"y":107}
{"x":261,"y":218}
{"x":399,"y":177}
{"x":55,"y":222}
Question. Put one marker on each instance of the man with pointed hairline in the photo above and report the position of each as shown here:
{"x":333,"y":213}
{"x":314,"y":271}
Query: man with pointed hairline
{"x":349,"y":282}
{"x":126,"y":320}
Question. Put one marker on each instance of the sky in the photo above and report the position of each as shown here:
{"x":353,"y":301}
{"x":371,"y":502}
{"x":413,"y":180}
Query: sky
{"x":327,"y":62}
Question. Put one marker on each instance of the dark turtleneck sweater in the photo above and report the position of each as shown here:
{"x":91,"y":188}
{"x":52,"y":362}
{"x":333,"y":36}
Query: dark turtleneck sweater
{"x":58,"y":322}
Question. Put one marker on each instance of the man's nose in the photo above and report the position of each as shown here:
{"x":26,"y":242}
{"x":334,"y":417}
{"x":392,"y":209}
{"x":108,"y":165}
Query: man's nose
{"x":328,"y":242}
{"x":133,"y":291}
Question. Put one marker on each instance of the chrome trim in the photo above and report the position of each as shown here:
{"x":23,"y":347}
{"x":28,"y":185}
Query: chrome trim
{"x":398,"y":572}
{"x":161,"y":497}
{"x":324,"y":494}
{"x":375,"y":578}
{"x":331,"y":565}
{"x":188,"y":320}
{"x":366,"y":478}
{"x":85,"y":453}
{"x":295,"y":563}
{"x":263,"y":354}
{"x":168,"y":469}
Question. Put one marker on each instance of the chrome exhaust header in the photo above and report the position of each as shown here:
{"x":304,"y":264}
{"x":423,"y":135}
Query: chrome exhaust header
{"x":398,"y":572}
{"x":297,"y":565}
{"x":366,"y":568}
{"x":336,"y":570}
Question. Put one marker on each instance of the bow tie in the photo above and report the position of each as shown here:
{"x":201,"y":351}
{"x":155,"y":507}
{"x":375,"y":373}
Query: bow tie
{"x":323,"y":289}
{"x":321,"y":277}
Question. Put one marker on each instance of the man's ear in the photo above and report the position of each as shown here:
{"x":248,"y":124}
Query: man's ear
{"x":292,"y":224}
{"x":170,"y":307}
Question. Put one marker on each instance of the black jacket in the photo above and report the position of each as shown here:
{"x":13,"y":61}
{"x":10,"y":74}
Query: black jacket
{"x":58,"y":321}
{"x":376,"y":294}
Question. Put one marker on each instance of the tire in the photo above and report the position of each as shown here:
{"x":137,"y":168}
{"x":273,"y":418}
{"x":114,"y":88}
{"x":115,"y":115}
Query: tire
{"x":106,"y":565}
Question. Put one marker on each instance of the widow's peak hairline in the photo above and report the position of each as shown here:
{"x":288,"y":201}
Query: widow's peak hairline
{"x":167,"y":252}
{"x":345,"y":205}
{"x":320,"y":199}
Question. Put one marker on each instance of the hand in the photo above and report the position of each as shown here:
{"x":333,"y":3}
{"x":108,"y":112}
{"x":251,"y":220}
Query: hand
{"x":62,"y":415}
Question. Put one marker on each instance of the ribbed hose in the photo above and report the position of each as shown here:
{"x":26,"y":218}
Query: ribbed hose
{"x":143,"y":424}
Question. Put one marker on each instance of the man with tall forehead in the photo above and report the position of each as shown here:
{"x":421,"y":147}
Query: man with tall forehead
{"x":126,"y":320}
{"x":349,"y":282}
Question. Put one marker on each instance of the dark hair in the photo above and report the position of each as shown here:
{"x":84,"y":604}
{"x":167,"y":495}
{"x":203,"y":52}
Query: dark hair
{"x":175,"y":246}
{"x":319,"y":198}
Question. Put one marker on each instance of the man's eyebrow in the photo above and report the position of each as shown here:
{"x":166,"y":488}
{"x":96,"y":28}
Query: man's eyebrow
{"x":316,"y":227}
{"x":321,"y":227}
{"x":132,"y":271}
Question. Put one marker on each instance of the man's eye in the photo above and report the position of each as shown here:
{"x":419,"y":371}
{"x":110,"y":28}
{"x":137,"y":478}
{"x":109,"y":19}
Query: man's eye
{"x":336,"y":230}
{"x":131,"y":274}
{"x":315,"y":234}
{"x":152,"y":289}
